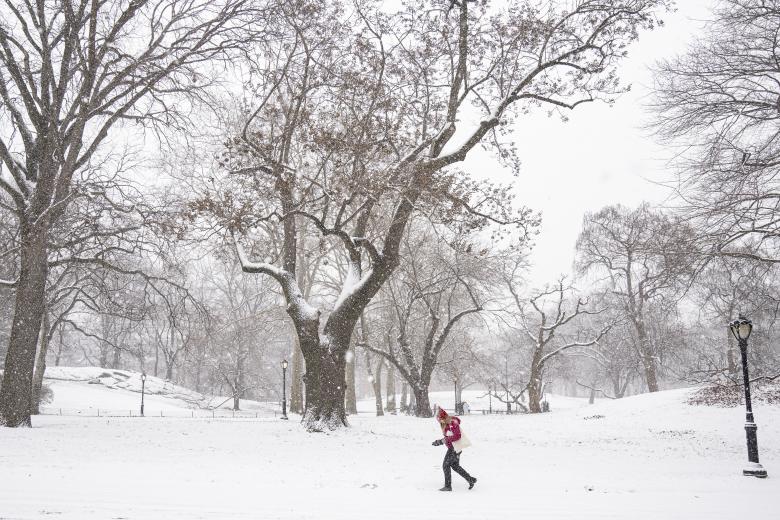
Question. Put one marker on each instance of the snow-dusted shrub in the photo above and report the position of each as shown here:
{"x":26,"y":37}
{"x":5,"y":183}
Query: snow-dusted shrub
{"x":733,"y":395}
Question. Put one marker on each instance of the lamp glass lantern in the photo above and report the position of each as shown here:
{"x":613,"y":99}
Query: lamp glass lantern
{"x":741,"y":328}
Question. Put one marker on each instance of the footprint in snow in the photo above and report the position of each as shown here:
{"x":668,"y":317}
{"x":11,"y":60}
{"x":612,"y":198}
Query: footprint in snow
{"x":369,"y":486}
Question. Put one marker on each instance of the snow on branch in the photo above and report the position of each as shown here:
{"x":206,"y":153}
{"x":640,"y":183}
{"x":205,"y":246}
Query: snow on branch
{"x":8,"y":283}
{"x":296,"y":303}
{"x":255,"y":267}
{"x":596,"y":390}
{"x":352,"y":285}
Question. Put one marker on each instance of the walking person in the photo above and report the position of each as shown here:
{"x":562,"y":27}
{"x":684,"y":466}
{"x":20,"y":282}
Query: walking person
{"x":455,"y":442}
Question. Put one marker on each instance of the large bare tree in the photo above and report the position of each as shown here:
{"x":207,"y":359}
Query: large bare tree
{"x":643,"y":256}
{"x":69,"y":73}
{"x":551,"y":325}
{"x":718,"y":103}
{"x":358,"y":117}
{"x":434,"y":292}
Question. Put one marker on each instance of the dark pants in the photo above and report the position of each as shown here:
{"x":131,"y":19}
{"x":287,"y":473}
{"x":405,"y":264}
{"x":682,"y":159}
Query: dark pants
{"x":452,"y":461}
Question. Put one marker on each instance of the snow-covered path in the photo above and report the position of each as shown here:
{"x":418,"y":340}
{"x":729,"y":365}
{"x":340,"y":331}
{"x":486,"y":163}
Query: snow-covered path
{"x":646,"y":457}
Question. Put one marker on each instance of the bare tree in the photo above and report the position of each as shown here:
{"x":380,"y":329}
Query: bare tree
{"x":87,"y":267}
{"x":460,"y":366}
{"x":644,"y":256}
{"x":717,"y":102}
{"x":609,"y":367}
{"x":616,"y":355}
{"x":725,"y":289}
{"x":245,"y":319}
{"x":70,"y":73}
{"x":438,"y":287}
{"x":504,"y":374}
{"x":549,"y":320}
{"x":357,"y":145}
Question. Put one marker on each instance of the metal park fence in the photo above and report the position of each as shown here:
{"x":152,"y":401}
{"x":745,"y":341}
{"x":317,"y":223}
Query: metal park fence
{"x":169,"y":413}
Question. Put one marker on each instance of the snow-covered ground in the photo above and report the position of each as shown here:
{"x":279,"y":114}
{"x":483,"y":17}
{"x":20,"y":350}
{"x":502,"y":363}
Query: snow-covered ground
{"x":644,"y":457}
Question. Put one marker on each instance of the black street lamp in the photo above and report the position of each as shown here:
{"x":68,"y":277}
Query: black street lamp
{"x":284,"y":389}
{"x":506,"y":381}
{"x":490,"y":399}
{"x":143,"y":388}
{"x":741,"y":329}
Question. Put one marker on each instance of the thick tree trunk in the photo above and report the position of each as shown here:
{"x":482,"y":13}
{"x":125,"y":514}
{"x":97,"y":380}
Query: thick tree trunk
{"x":103,"y":346}
{"x":535,"y":386}
{"x":731,"y":354}
{"x":391,"y":406}
{"x":170,"y":356}
{"x":422,"y":404}
{"x":40,"y":364}
{"x":534,"y":397}
{"x":296,"y":379}
{"x":16,"y":393}
{"x":375,"y":376}
{"x":116,"y":359}
{"x":622,"y":390}
{"x":647,"y":355}
{"x":325,"y":376}
{"x":325,"y":392}
{"x":156,"y":358}
{"x":651,"y":378}
{"x":103,"y":358}
{"x":376,"y":382}
{"x":350,"y":398}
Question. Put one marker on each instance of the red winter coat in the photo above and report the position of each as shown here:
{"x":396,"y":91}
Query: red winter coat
{"x":452,"y":432}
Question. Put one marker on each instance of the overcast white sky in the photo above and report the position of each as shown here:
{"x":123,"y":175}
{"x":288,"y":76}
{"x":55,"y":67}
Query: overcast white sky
{"x":601,"y":155}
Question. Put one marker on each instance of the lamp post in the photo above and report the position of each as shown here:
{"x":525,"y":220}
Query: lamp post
{"x":284,"y":389}
{"x":741,"y":329}
{"x":490,"y":399}
{"x":143,"y":389}
{"x":506,"y":381}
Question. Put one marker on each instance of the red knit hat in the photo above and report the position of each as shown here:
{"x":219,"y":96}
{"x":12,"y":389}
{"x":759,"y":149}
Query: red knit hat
{"x":442,"y":415}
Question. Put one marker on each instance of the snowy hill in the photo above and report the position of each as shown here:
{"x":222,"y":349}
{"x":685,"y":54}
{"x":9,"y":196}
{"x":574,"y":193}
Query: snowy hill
{"x":94,"y":390}
{"x":89,"y":390}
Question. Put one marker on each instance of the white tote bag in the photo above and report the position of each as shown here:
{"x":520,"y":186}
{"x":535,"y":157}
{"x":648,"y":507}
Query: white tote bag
{"x":461,"y":443}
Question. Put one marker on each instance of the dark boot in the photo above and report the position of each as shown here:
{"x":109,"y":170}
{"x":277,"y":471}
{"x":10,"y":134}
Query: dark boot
{"x":472,"y":482}
{"x":446,"y":488}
